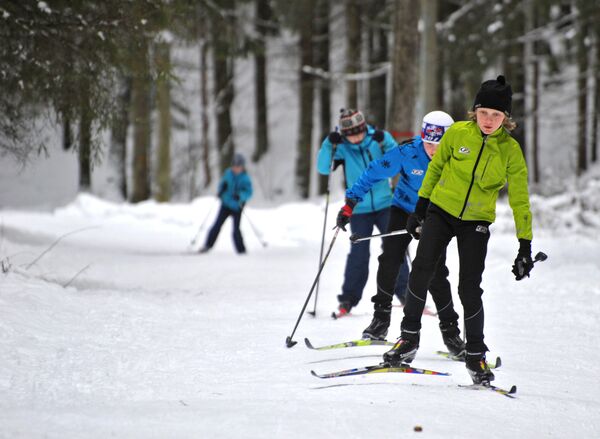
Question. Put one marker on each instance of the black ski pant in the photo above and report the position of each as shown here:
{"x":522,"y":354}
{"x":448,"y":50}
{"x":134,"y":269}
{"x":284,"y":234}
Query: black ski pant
{"x":392,"y":258}
{"x":224,"y":213}
{"x":472,"y":239}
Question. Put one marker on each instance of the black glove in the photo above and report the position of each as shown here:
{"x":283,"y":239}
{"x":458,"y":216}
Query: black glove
{"x":378,"y":136}
{"x":417,"y":218}
{"x":335,"y":137}
{"x":222,"y":190}
{"x":523,"y":262}
{"x":345,"y":213}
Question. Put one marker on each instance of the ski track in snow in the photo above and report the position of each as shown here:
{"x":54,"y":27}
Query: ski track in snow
{"x":148,"y":340}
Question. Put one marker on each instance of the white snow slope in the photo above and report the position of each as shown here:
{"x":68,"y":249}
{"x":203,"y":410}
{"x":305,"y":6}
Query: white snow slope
{"x":116,"y":331}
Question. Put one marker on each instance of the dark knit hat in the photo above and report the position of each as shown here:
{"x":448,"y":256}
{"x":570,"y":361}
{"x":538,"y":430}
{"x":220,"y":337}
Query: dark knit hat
{"x":238,"y":160}
{"x":352,"y":122}
{"x":495,"y":94}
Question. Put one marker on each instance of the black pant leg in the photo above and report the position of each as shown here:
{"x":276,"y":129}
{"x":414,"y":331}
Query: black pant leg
{"x":472,"y":239}
{"x":216,"y":228}
{"x":238,"y":239}
{"x":441,"y":291}
{"x":437,"y":233}
{"x":390,"y":260}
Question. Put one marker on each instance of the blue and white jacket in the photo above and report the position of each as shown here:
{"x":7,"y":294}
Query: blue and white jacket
{"x":232,"y":186}
{"x":409,"y":160}
{"x":355,"y":160}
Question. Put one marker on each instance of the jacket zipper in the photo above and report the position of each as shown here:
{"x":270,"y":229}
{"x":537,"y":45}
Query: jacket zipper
{"x":472,"y":178}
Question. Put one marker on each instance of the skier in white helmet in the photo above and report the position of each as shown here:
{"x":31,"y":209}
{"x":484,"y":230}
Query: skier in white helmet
{"x":410,"y":161}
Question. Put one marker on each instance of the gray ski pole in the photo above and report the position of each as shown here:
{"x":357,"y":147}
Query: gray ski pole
{"x":356,"y":238}
{"x":314,"y":311}
{"x":288,"y":341}
{"x":197,"y":235}
{"x":254,"y":229}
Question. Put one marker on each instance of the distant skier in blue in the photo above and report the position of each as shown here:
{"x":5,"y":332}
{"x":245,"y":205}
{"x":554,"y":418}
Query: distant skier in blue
{"x":410,"y":160}
{"x":235,"y":189}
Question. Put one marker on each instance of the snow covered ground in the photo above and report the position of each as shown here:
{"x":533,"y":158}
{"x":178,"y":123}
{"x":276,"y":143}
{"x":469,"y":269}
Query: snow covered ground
{"x":116,"y":330}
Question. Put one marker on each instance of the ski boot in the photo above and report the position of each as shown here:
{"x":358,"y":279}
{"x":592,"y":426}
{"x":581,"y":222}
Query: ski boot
{"x":404,"y":351}
{"x":478,"y":369}
{"x":451,"y":335}
{"x":378,"y":328}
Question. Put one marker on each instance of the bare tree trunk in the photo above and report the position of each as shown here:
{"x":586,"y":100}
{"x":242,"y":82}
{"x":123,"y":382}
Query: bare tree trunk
{"x":404,"y":74}
{"x":67,"y":134}
{"x":263,"y":15}
{"x":531,"y":94}
{"x":428,"y":74}
{"x":223,"y":39}
{"x":304,"y":156}
{"x":353,"y":50}
{"x":140,"y":101}
{"x":596,"y":113}
{"x":582,"y":77}
{"x":85,"y":138}
{"x":163,"y":103}
{"x":118,"y":136}
{"x":378,"y":55}
{"x":204,"y":102}
{"x":322,"y":62}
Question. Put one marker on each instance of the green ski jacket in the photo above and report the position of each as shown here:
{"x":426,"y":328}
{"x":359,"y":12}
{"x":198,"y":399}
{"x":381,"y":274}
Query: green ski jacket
{"x":468,"y":171}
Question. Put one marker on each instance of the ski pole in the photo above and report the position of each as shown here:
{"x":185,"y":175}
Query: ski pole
{"x":356,"y":238}
{"x":194,"y":241}
{"x":288,"y":341}
{"x":256,"y":232}
{"x":314,"y":311}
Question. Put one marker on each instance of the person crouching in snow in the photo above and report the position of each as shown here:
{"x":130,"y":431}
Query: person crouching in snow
{"x":235,"y":189}
{"x":476,"y":158}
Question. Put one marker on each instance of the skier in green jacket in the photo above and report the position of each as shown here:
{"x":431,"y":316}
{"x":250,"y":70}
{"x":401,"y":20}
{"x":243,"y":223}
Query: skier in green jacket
{"x":475,"y":160}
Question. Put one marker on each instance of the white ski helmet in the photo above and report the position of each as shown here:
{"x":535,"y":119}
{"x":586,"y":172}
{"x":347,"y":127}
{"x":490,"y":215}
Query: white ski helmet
{"x":435,"y":125}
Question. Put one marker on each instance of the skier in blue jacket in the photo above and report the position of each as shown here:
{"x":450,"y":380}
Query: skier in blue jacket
{"x":410,"y":160}
{"x":356,"y":145}
{"x":235,"y":189}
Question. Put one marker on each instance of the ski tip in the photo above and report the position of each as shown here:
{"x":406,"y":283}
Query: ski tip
{"x":289,"y":342}
{"x":498,"y":363}
{"x":315,"y":374}
{"x":512,"y":390}
{"x":308,"y":343}
{"x":333,"y":316}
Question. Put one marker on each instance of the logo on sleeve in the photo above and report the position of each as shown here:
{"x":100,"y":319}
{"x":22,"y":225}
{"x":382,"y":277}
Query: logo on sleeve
{"x":481,"y":229}
{"x":464,"y":150}
{"x":417,"y":172}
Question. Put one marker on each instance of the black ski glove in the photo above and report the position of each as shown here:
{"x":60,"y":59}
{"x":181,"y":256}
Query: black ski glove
{"x":378,"y":136}
{"x":417,"y":218}
{"x":335,"y":137}
{"x":523,"y":262}
{"x":343,"y":216}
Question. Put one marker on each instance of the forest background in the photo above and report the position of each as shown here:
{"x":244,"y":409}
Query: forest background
{"x":149,"y":99}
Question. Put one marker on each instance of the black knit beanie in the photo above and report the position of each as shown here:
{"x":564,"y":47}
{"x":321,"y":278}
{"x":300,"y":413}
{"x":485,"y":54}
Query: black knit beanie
{"x":495,"y":94}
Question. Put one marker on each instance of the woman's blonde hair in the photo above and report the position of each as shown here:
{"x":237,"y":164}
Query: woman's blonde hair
{"x":507,"y":123}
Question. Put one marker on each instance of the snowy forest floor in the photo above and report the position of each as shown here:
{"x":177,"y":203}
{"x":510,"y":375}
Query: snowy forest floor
{"x":117,"y":330}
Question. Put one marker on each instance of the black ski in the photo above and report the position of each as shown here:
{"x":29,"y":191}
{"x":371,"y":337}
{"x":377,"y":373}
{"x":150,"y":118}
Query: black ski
{"x":349,"y":344}
{"x":494,"y":365}
{"x":379,"y":368}
{"x":486,"y":386}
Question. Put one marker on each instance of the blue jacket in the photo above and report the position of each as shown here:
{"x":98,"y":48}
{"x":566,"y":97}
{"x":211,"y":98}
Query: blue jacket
{"x":410,"y":161}
{"x":356,"y":158}
{"x":232,"y":185}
